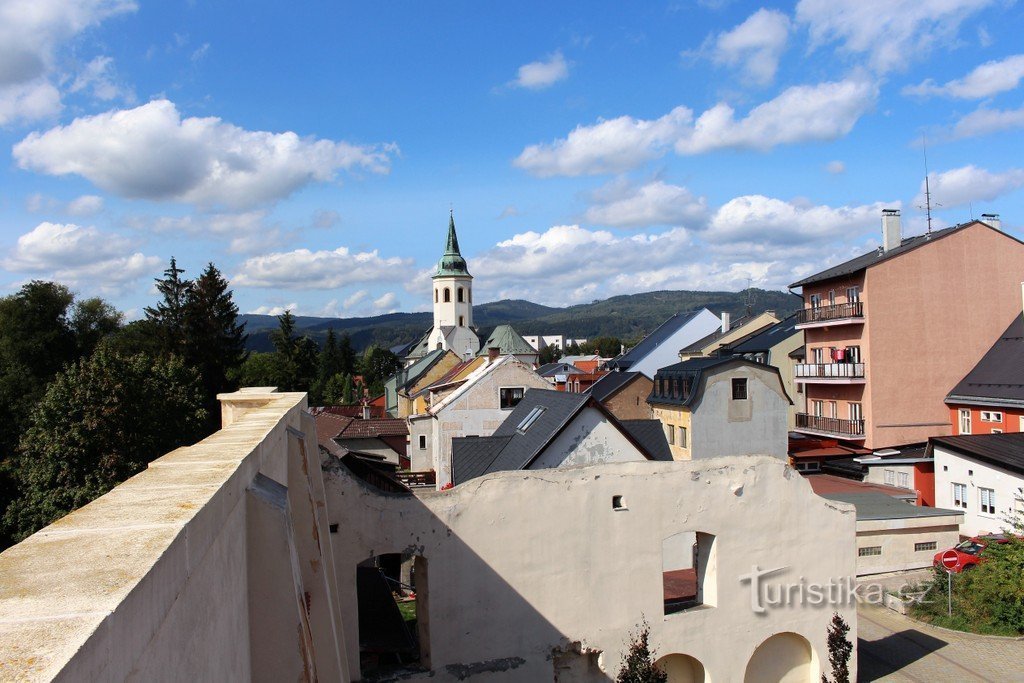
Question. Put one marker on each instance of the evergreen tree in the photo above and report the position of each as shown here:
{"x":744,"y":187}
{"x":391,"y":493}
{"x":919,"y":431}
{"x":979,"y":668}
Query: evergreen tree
{"x":296,"y":357}
{"x":169,"y":314}
{"x":347,"y":394}
{"x":329,"y":364}
{"x":839,"y":650}
{"x":347,"y":354}
{"x":378,"y":364}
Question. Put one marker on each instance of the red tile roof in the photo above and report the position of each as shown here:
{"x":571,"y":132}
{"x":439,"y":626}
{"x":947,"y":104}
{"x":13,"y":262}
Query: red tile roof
{"x":349,"y":411}
{"x":329,"y":426}
{"x":363,"y":429}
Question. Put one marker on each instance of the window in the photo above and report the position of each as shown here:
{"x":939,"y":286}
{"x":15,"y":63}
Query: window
{"x":812,"y":466}
{"x":819,"y":355}
{"x":618,"y":503}
{"x":435,"y":296}
{"x":853,"y":294}
{"x":510,"y":397}
{"x":831,"y":297}
{"x":965,"y":421}
{"x":904,"y":479}
{"x":689,"y":566}
{"x":682,"y":437}
{"x":921,"y":547}
{"x":988,"y":501}
{"x":869,"y":551}
{"x":815,"y":300}
{"x":530,"y":418}
{"x":462,"y":321}
{"x":461,"y":294}
{"x":819,"y":408}
{"x":833,"y":409}
{"x":852,"y":354}
{"x":671,"y":431}
{"x":989,"y":416}
{"x":960,"y":495}
{"x":739,"y":389}
{"x":447,"y":295}
{"x":1022,"y":423}
{"x":856,"y":411}
{"x":423,"y":442}
{"x":890,"y":477}
{"x":997,"y":431}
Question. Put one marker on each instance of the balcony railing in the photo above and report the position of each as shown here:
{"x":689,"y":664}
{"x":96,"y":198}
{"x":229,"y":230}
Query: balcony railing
{"x":417,"y":480}
{"x":830,"y":426}
{"x":828,"y":371}
{"x":825,"y":314}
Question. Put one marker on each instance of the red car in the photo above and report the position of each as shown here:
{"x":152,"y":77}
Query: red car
{"x":969,"y":552}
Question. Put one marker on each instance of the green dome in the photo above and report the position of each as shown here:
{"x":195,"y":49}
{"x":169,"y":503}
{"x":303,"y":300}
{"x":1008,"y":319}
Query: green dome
{"x":452,"y":263}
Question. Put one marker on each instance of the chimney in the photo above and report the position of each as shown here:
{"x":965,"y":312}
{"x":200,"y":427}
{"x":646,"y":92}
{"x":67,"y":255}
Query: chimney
{"x":725,"y":322}
{"x":992,"y":219}
{"x":366,"y":411}
{"x":492,"y":353}
{"x":892,"y":236}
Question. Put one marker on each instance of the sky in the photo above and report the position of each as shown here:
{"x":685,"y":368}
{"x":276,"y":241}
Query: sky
{"x":313,"y":150}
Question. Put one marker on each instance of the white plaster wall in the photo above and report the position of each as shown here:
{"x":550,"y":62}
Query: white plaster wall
{"x":421,"y":460}
{"x":897,"y":539}
{"x":952,"y":467}
{"x":718,"y":429}
{"x":448,"y":313}
{"x":667,"y":353}
{"x":876,"y":475}
{"x":588,"y":440}
{"x":521,"y":563}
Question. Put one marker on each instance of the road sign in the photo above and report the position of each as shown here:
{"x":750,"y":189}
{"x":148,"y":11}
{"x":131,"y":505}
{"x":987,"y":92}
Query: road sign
{"x":950,"y":559}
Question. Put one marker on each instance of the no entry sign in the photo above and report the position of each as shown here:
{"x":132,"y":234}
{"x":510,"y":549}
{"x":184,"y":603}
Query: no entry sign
{"x":950,"y":559}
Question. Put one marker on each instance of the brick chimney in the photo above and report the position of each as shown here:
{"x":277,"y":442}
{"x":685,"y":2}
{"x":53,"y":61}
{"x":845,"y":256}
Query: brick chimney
{"x":892,"y":234}
{"x":492,"y":353}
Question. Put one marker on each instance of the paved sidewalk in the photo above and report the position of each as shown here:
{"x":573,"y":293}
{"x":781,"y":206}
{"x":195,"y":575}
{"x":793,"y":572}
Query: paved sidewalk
{"x":891,"y":647}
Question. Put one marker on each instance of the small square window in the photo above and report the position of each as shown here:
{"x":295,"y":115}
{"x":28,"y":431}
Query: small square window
{"x":869,"y":551}
{"x":919,"y":547}
{"x":739,"y":389}
{"x":510,"y":397}
{"x":618,"y":503}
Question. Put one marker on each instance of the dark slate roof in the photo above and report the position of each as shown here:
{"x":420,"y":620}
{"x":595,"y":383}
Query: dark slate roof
{"x":472,"y":456}
{"x":610,"y":383}
{"x":698,"y":346}
{"x":651,"y":435}
{"x":998,"y":378}
{"x":691,"y":370}
{"x":551,"y":369}
{"x":764,"y":340}
{"x":877,"y":256}
{"x":875,"y":505}
{"x":653,"y":340}
{"x":1002,"y":450}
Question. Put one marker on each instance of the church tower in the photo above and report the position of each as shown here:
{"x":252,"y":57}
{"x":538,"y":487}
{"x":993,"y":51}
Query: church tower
{"x":453,"y":301}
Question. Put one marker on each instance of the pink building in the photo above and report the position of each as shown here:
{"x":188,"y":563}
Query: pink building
{"x":889,"y":332}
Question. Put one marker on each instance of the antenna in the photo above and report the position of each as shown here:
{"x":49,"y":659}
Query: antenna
{"x":927,"y":187}
{"x":750,"y":298}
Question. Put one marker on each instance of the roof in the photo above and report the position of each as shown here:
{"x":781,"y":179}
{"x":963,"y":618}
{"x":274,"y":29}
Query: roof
{"x":452,"y":263}
{"x":456,"y":374}
{"x":509,"y":341}
{"x":406,"y":377}
{"x":998,"y":378}
{"x":698,"y":346}
{"x":329,"y":426}
{"x":603,"y":388}
{"x":829,"y":484}
{"x":652,"y":341}
{"x":877,"y":256}
{"x":767,"y":338}
{"x":877,"y":506}
{"x":550,"y":369}
{"x":693,"y":370}
{"x":364,"y":429}
{"x":651,"y":435}
{"x":353,"y":410}
{"x":1002,"y":450}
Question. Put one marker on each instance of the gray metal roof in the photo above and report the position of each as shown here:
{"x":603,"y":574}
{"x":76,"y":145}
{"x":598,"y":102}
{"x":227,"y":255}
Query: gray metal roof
{"x":653,"y":340}
{"x":766,"y":339}
{"x":876,"y":505}
{"x":698,"y":346}
{"x":998,"y":378}
{"x":510,"y":342}
{"x":1002,"y":450}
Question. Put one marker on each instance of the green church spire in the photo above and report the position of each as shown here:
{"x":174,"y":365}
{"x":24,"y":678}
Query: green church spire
{"x":451,"y":262}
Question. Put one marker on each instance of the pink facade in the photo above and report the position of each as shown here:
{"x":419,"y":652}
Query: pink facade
{"x":924,"y":318}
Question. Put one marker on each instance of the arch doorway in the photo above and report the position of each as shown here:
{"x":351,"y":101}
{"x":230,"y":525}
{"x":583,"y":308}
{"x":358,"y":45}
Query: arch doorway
{"x":682,"y":669}
{"x":783,"y":658}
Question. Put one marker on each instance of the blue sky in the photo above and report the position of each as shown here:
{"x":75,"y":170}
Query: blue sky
{"x":312,"y":150}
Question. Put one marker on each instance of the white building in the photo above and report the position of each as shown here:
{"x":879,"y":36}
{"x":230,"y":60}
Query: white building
{"x":661,"y":347}
{"x":559,"y":341}
{"x":981,"y":475}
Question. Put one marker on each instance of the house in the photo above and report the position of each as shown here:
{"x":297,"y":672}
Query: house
{"x":539,"y":342}
{"x":773,"y":346}
{"x":580,"y":382}
{"x":400,"y":387}
{"x":453,"y":306}
{"x":384,"y":438}
{"x":889,"y":332}
{"x":624,"y":394}
{"x":557,"y":429}
{"x":714,"y":407}
{"x":510,"y":343}
{"x":990,"y":398}
{"x":808,"y":453}
{"x":445,"y":384}
{"x":728,"y":332}
{"x":982,"y":476}
{"x":907,"y":467}
{"x":476,"y":405}
{"x":587,"y":363}
{"x":661,"y":347}
{"x":893,"y":534}
{"x":558,"y":373}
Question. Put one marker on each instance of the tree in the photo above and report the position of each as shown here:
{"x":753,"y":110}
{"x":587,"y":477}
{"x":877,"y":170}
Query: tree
{"x":839,"y":650}
{"x":259,"y":370}
{"x":101,"y":421}
{"x":347,"y":353}
{"x":329,"y":365}
{"x":549,"y":354}
{"x":378,"y":364}
{"x":169,"y":314}
{"x":639,"y":667}
{"x":296,"y":356}
{"x":93,"y":320}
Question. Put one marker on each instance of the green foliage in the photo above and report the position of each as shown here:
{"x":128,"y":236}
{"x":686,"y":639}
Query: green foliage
{"x":606,"y":347}
{"x":839,"y":650}
{"x":168,"y":316}
{"x":259,"y":370}
{"x":549,"y":354}
{"x":638,"y":667}
{"x":100,"y":421}
{"x":376,"y":366}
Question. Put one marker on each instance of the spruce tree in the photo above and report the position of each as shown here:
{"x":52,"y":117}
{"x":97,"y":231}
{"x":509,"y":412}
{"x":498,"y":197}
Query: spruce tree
{"x":168,"y":315}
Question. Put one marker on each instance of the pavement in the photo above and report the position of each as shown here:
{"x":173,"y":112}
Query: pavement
{"x":891,"y":647}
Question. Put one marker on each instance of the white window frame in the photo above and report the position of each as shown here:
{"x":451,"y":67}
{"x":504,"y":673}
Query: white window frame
{"x":965,"y":420}
{"x":511,"y":407}
{"x":853,"y":294}
{"x":986,"y":501}
{"x":991,"y":416}
{"x":904,"y":479}
{"x":959,"y":495}
{"x":815,"y":301}
{"x":423,"y":442}
{"x":817,"y":408}
{"x":818,"y":354}
{"x":856,"y":411}
{"x":833,"y":410}
{"x":890,"y":477}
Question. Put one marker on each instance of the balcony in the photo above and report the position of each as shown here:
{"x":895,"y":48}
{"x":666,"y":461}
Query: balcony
{"x":829,"y":426}
{"x":824,"y":316}
{"x":829,"y":373}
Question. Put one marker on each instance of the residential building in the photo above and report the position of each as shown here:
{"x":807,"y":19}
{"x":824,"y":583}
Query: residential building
{"x":508,"y":342}
{"x":711,"y":407}
{"x":557,"y":429}
{"x":446,"y":383}
{"x":990,"y":398}
{"x":453,"y":306}
{"x":808,"y":454}
{"x":889,"y":332}
{"x":893,"y":534}
{"x":558,"y":373}
{"x":908,"y":467}
{"x":587,"y":363}
{"x":981,"y":475}
{"x":400,"y":387}
{"x":773,"y":346}
{"x":384,"y":438}
{"x":661,"y":347}
{"x":729,"y":331}
{"x":474,"y":406}
{"x":580,"y":382}
{"x":624,"y":394}
{"x":539,"y":342}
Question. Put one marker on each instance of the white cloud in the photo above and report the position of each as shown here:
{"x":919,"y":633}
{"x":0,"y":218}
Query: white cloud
{"x":835,"y":167}
{"x":510,"y":211}
{"x":388,"y":303}
{"x":542,"y":74}
{"x":98,"y":77}
{"x":306,"y":270}
{"x":246,"y":232}
{"x":86,"y":205}
{"x":969,"y":183}
{"x":766,"y":220}
{"x":274,"y":310}
{"x":983,"y":121}
{"x":622,"y":205}
{"x":36,"y":99}
{"x":355,"y":299}
{"x":151,"y":152}
{"x":80,"y":256}
{"x":756,"y":45}
{"x":890,"y":33}
{"x":986,"y":80}
{"x":799,"y":114}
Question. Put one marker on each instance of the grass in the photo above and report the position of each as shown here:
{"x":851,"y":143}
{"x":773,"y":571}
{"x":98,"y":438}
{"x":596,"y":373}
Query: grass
{"x":408,"y":610}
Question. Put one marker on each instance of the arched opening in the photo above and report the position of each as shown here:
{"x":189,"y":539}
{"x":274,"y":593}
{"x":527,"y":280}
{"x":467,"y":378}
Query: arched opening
{"x":435,"y":296}
{"x":447,"y":295}
{"x":689,"y":564}
{"x":391,"y":591}
{"x":462,"y":321}
{"x":682,"y":669}
{"x":461,"y":294}
{"x":783,"y":658}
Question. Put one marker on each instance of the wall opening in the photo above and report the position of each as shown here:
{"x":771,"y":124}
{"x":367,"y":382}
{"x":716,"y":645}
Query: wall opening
{"x":461,"y":294}
{"x":689,"y":571}
{"x":783,"y":658}
{"x":682,"y":669}
{"x":447,"y":295}
{"x":393,"y":626}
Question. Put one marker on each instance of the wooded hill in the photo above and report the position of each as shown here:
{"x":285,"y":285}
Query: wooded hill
{"x":628,"y":317}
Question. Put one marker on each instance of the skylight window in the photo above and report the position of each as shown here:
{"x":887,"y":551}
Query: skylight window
{"x":530,"y":418}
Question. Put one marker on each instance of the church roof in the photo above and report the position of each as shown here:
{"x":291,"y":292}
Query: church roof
{"x":452,"y":263}
{"x":509,"y":341}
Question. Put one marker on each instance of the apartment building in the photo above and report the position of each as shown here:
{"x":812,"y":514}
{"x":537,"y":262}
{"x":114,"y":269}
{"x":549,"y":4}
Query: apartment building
{"x":889,"y":332}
